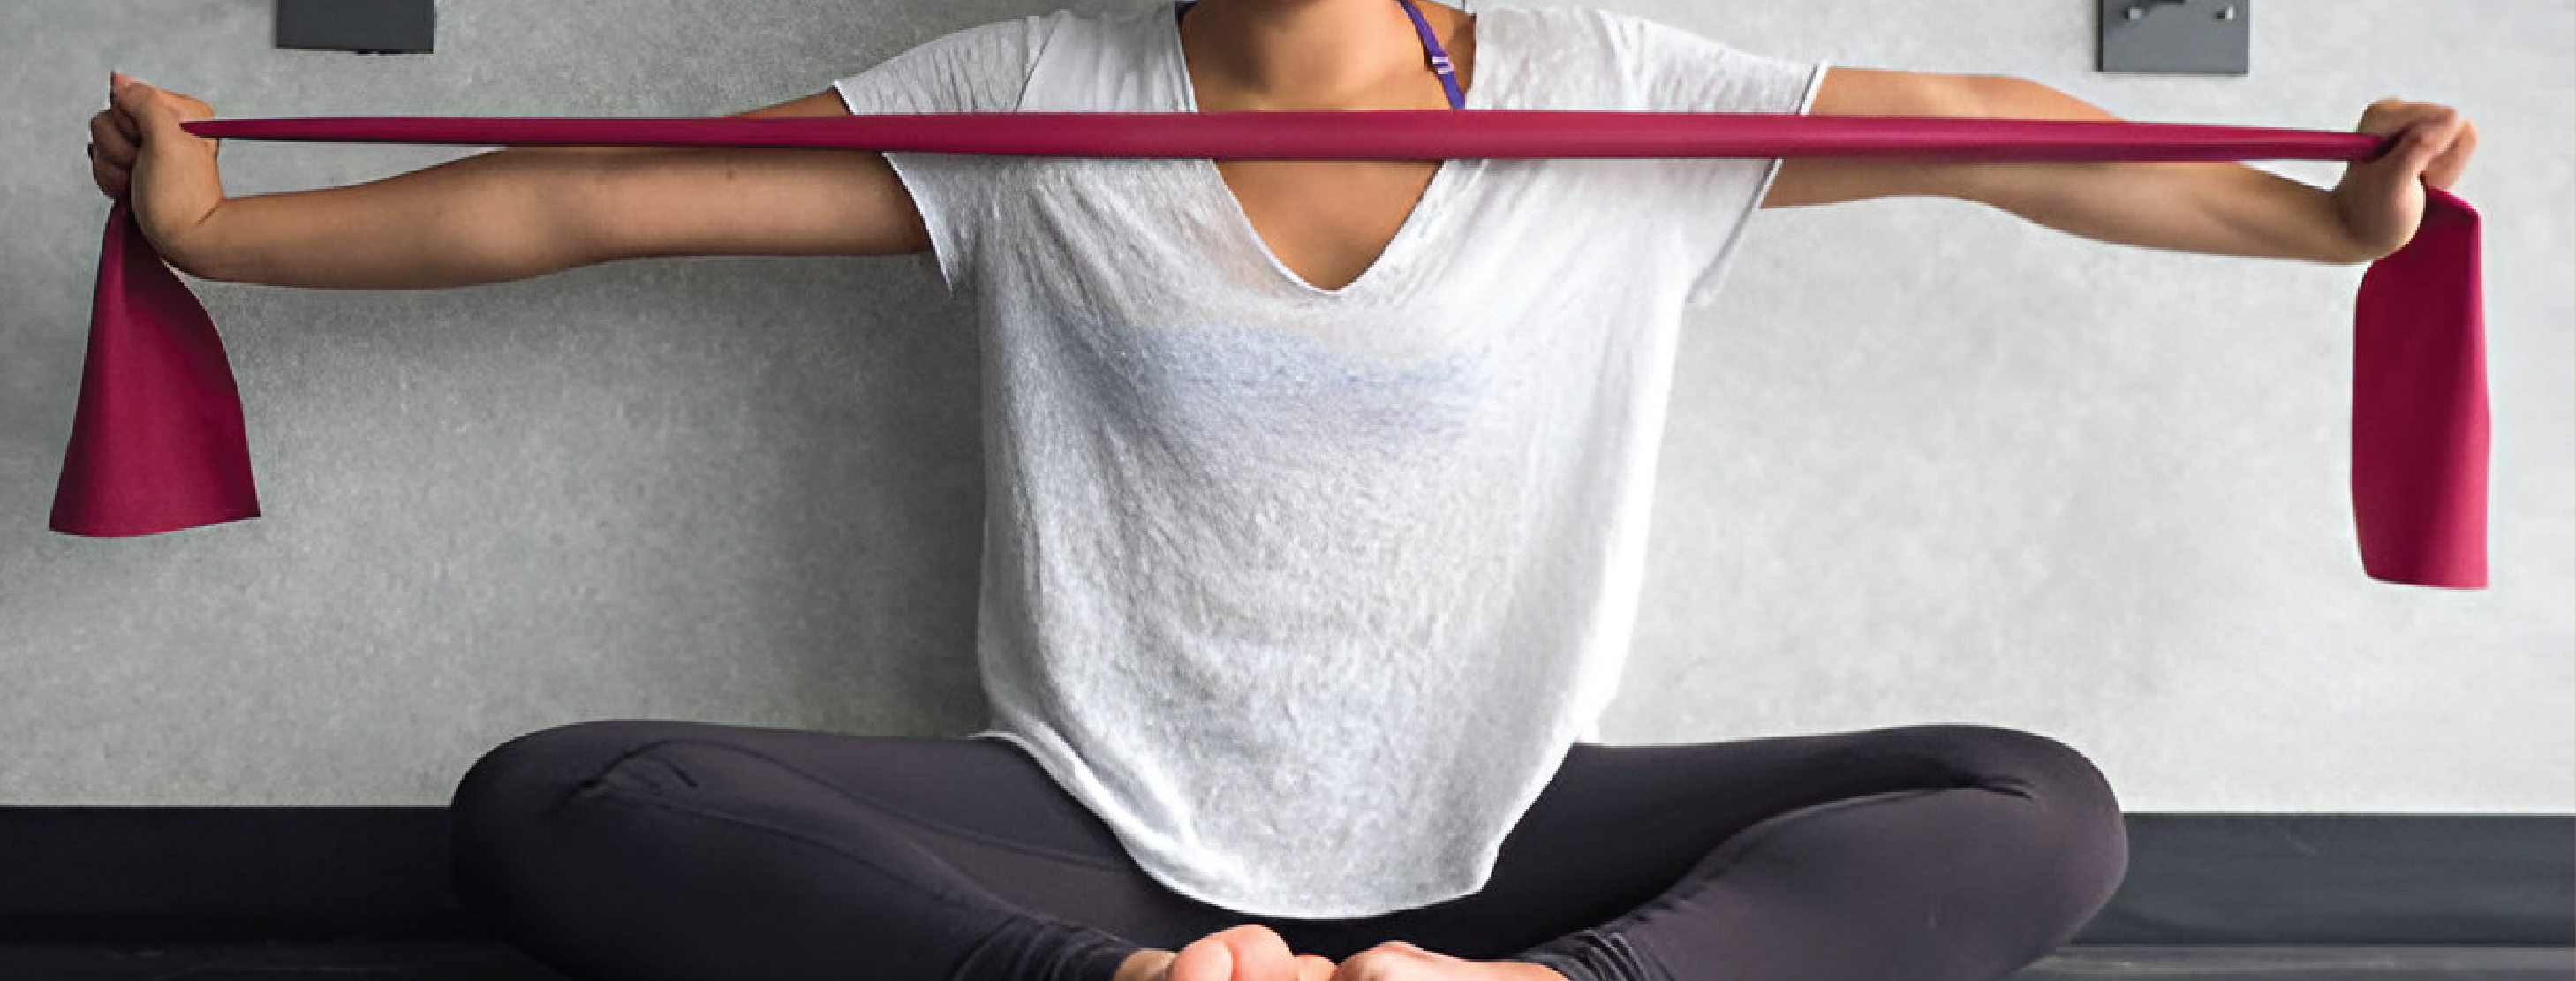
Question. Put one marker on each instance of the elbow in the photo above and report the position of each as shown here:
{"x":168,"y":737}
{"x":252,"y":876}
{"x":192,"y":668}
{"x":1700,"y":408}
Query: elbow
{"x":199,"y":266}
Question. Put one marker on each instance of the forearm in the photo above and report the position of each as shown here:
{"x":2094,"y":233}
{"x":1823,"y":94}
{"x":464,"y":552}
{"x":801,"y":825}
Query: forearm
{"x":2215,"y":208}
{"x":491,"y":217}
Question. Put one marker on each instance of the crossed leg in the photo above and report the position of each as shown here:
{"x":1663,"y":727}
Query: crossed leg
{"x":677,"y":851}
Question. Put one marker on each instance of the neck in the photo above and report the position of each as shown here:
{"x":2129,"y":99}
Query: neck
{"x":1307,"y":52}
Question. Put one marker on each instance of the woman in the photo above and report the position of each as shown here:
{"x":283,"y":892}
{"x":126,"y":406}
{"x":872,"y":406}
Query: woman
{"x":1317,"y":504}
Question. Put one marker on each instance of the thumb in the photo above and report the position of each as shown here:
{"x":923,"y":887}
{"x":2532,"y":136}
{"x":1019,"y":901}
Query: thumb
{"x":158,"y":113}
{"x":2412,"y":150}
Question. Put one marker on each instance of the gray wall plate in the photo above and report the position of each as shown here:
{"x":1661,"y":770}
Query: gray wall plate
{"x":2178,"y":37}
{"x":363,"y":26}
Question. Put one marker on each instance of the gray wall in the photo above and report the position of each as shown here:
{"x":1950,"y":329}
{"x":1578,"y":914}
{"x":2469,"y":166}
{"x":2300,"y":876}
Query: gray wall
{"x":1926,"y":462}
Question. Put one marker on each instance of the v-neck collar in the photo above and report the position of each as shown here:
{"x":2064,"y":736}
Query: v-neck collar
{"x":1396,"y":252}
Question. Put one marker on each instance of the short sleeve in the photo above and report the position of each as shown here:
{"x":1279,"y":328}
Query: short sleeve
{"x":1676,"y":70}
{"x":978,"y":69}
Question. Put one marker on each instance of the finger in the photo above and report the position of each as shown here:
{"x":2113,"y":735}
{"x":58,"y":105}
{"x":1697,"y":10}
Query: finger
{"x":106,"y":167}
{"x":2386,"y":116}
{"x":120,"y":114}
{"x":2409,"y":146}
{"x":109,"y":139}
{"x":2446,"y":168}
{"x":2432,"y":139}
{"x":2398,"y":133}
{"x":2405,"y":154}
{"x":111,"y":180}
{"x":2438,"y":124}
{"x":2410,"y":123}
{"x":2455,"y":128}
{"x":138,"y":103}
{"x":120,"y":119}
{"x":2378,"y":109}
{"x":1314,"y":967}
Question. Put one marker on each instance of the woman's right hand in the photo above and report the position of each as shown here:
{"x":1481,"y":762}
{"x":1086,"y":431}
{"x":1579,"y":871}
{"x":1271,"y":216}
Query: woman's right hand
{"x":138,"y":152}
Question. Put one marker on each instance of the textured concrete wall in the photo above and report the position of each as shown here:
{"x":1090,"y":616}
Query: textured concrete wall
{"x":1926,"y":462}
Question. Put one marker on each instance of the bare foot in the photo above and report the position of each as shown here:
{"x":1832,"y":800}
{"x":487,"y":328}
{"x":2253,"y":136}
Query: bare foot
{"x":1250,"y":952}
{"x":1255,"y":953}
{"x":1399,"y":961}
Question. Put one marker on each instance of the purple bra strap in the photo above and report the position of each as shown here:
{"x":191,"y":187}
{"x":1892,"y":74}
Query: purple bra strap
{"x":1430,"y":43}
{"x":1439,"y":58}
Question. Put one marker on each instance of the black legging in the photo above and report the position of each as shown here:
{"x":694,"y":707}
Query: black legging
{"x":680,"y":851}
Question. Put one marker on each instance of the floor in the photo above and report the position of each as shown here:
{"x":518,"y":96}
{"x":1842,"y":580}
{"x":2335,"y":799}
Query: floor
{"x":497,"y":962}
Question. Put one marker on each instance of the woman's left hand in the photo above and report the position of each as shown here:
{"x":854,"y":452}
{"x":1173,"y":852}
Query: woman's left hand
{"x":2382,"y":201}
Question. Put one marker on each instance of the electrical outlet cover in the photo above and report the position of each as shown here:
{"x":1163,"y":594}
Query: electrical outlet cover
{"x":363,"y":26}
{"x":2178,"y":37}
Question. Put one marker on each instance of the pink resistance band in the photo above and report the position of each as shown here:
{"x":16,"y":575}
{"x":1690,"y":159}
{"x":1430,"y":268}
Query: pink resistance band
{"x":158,"y":445}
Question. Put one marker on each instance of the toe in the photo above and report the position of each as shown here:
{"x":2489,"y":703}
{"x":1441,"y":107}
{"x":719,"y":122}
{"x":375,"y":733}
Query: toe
{"x":1314,"y":967}
{"x":1207,"y":959}
{"x":1260,"y":954}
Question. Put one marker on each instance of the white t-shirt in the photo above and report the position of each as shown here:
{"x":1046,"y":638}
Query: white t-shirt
{"x":1305,"y":593}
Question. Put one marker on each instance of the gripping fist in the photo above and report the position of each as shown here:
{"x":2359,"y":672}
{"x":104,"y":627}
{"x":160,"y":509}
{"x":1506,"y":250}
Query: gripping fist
{"x":138,"y":152}
{"x":2382,"y":201}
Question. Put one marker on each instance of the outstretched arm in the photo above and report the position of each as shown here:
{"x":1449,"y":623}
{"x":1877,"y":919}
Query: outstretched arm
{"x":2217,"y":208}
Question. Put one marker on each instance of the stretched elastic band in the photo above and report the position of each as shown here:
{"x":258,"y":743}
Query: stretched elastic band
{"x":157,"y":442}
